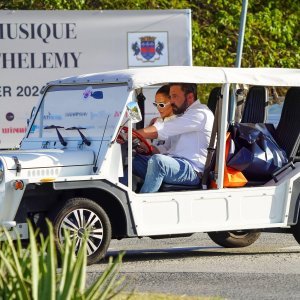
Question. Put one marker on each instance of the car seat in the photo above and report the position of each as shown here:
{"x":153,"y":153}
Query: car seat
{"x":213,"y":97}
{"x":255,"y":105}
{"x":288,"y":129}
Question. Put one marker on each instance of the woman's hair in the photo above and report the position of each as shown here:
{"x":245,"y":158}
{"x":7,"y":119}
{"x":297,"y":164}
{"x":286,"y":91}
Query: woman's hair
{"x":165,"y":89}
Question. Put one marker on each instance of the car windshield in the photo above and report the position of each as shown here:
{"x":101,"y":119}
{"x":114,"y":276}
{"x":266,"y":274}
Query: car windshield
{"x":93,"y":109}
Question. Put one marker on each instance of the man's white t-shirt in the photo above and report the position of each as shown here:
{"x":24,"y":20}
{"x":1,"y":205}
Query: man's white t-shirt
{"x":190,"y":134}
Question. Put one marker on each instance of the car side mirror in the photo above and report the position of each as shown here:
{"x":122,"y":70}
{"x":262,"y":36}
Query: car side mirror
{"x":134,"y":112}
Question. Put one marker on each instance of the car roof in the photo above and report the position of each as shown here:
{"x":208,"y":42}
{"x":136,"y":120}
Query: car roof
{"x":141,"y":77}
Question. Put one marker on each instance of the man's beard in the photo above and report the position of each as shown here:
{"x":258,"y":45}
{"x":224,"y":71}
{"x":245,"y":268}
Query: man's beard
{"x":181,"y":109}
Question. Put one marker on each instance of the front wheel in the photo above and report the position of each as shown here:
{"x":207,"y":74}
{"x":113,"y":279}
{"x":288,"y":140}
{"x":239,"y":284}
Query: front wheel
{"x":234,"y":239}
{"x":81,"y":216}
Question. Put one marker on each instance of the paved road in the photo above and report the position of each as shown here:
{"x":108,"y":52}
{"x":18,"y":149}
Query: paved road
{"x":268,"y":269}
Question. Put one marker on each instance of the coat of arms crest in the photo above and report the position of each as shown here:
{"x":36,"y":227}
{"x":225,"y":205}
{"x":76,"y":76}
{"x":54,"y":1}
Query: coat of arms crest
{"x":148,"y":50}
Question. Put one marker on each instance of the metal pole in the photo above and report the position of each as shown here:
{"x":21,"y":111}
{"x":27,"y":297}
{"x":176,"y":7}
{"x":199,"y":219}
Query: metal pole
{"x":241,"y":34}
{"x":238,"y":56}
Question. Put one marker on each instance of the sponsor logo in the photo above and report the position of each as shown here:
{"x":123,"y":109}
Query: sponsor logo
{"x":88,"y":93}
{"x":9,"y":130}
{"x":148,"y":49}
{"x":76,"y":114}
{"x":10,"y":116}
{"x":33,"y":128}
{"x":117,"y":114}
{"x":50,"y":116}
{"x":98,"y":115}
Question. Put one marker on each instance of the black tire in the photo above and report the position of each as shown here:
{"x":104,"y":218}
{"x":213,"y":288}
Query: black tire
{"x":296,"y":231}
{"x":234,"y":239}
{"x":98,"y":242}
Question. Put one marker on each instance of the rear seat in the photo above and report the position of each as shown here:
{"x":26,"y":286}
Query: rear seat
{"x":287,"y":133}
{"x":255,"y":105}
{"x":288,"y":129}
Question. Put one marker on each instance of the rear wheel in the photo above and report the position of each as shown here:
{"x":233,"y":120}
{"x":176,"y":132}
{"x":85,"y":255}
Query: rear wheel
{"x":296,"y":231}
{"x":234,"y":239}
{"x":81,"y":216}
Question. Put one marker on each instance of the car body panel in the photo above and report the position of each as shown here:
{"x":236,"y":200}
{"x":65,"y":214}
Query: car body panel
{"x":96,"y":105}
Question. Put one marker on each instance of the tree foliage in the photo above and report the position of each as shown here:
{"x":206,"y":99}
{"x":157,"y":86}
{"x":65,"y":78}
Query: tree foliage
{"x":272,"y":35}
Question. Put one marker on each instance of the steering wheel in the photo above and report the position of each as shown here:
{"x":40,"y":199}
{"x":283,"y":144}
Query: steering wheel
{"x":136,"y":141}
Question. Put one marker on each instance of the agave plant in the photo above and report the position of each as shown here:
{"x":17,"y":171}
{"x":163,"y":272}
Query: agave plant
{"x":33,"y":273}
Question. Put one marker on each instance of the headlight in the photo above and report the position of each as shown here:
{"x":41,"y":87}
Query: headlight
{"x":1,"y":170}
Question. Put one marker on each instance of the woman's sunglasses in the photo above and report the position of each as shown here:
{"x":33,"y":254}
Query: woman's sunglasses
{"x":161,"y":104}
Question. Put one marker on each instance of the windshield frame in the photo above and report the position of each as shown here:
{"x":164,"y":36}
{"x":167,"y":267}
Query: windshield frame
{"x":38,"y":123}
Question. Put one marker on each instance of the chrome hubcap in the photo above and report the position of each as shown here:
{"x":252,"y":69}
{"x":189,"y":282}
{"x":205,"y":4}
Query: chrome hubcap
{"x":80,"y":222}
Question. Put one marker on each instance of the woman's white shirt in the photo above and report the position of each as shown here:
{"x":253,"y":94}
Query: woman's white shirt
{"x":164,"y":145}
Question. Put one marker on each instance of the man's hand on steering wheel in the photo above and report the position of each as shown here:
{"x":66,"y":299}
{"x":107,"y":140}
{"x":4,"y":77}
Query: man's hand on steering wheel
{"x":140,"y":144}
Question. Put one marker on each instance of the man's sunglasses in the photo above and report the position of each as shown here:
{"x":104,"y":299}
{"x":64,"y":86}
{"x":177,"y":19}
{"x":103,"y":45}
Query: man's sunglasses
{"x":161,"y":104}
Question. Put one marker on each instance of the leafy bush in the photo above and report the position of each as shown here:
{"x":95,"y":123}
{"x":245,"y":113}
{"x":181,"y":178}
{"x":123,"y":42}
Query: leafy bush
{"x":33,"y":273}
{"x":272,"y":35}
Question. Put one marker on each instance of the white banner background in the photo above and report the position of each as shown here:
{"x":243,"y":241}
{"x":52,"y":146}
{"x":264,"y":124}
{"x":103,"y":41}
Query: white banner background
{"x":40,"y":46}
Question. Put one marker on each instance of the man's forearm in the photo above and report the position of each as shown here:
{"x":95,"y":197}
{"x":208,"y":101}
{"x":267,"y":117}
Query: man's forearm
{"x":149,"y":132}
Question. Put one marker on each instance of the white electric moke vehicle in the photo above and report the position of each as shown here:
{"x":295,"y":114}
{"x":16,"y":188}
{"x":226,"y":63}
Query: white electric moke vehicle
{"x":69,"y":164}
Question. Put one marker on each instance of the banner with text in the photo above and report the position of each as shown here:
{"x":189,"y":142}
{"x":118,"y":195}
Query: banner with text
{"x":40,"y":46}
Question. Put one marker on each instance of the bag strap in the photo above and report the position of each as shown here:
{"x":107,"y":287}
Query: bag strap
{"x":211,"y":147}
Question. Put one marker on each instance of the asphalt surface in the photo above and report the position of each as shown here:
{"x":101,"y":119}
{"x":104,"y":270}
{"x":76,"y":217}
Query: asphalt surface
{"x":268,"y":269}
